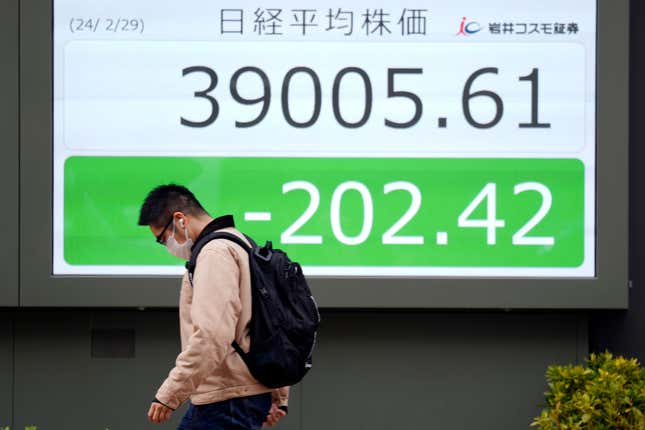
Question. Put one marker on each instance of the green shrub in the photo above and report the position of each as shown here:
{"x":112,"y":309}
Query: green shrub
{"x":608,"y":394}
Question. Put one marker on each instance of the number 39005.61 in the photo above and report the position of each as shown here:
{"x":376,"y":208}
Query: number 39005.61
{"x":414,"y":101}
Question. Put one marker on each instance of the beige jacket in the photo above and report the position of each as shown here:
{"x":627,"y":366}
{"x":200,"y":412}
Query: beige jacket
{"x":212,"y":313}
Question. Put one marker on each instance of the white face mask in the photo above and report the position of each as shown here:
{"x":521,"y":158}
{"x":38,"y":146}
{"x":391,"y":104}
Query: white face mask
{"x":179,"y":250}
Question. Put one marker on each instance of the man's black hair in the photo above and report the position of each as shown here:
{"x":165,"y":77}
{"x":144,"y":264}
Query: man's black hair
{"x":164,"y":200}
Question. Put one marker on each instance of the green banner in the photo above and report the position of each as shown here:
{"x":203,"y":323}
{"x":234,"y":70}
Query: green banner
{"x":395,"y":212}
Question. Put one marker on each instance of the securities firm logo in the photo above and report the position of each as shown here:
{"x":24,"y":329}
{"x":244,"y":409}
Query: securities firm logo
{"x":468,"y":28}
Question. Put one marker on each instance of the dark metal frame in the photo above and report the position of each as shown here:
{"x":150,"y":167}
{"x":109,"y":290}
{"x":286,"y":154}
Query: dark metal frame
{"x":9,"y":162}
{"x":607,"y":291}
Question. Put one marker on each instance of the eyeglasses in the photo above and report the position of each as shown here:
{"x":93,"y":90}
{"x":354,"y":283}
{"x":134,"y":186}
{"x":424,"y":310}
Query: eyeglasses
{"x":159,"y":237}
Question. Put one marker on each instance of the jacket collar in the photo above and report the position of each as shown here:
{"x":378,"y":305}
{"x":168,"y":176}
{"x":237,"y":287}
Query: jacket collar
{"x":218,"y":223}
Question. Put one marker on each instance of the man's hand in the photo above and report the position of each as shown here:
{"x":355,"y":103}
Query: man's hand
{"x":274,"y":416}
{"x":159,"y":413}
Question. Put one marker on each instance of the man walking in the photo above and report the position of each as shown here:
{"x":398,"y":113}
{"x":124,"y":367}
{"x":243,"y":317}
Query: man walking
{"x":213,"y":312}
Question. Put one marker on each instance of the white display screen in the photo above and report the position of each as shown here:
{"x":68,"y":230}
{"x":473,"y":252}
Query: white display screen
{"x":376,"y":139}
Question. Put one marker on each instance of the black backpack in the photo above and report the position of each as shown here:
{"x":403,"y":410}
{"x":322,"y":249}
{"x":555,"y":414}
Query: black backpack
{"x":285,"y":317}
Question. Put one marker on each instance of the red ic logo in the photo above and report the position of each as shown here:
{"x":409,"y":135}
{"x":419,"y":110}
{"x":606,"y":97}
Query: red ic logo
{"x":468,"y":28}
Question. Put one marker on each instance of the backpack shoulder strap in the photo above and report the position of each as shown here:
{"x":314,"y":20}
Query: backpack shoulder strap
{"x":233,"y":238}
{"x":190,"y":265}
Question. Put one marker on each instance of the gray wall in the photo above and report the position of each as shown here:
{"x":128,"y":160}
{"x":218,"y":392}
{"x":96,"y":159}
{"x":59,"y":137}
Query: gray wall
{"x":385,"y":370}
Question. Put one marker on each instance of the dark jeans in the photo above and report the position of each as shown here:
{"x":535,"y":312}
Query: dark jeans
{"x":241,"y":413}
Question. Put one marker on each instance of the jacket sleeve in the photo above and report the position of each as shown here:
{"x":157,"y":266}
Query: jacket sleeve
{"x":280,"y":396}
{"x":214,"y":312}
